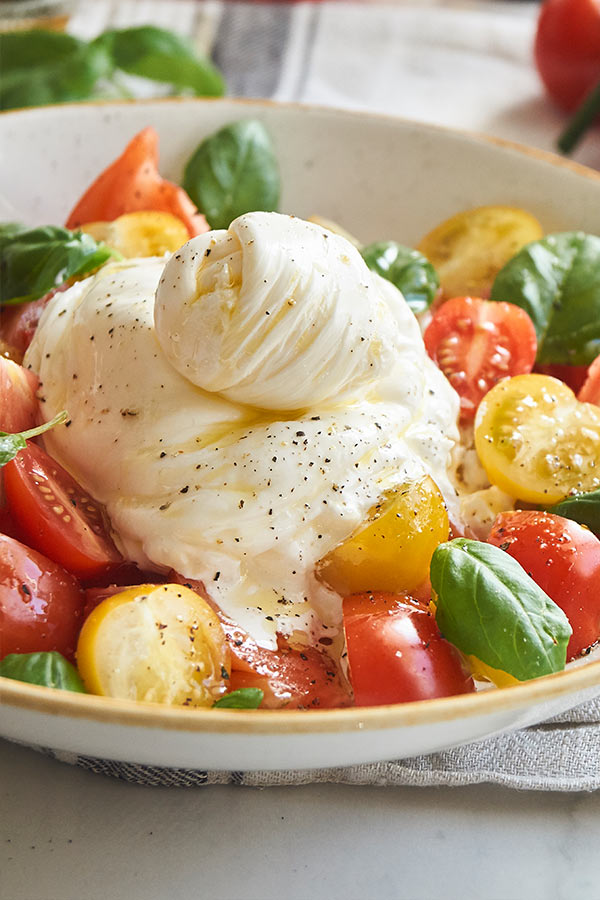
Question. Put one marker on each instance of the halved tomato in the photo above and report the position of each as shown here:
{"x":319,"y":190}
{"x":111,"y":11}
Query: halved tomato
{"x":132,"y":183}
{"x":476,"y":343}
{"x":56,"y":516}
{"x":41,"y":604}
{"x":536,"y":441}
{"x":396,"y":652}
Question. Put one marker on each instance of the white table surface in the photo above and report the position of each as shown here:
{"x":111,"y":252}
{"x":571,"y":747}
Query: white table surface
{"x":66,"y":834}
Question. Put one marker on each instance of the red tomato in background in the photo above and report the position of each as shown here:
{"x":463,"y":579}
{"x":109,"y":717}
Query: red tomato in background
{"x":56,"y":516}
{"x":18,"y":403}
{"x":396,"y":653}
{"x":41,"y":605}
{"x":563,"y":558}
{"x":132,"y":183}
{"x":590,"y":392}
{"x":478,"y":342}
{"x":567,"y":49}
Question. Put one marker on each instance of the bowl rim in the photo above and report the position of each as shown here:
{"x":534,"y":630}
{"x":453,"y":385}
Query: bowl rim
{"x":111,"y":711}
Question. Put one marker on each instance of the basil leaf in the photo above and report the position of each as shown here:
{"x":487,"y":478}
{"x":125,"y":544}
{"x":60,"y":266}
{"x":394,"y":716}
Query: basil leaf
{"x":163,"y":56}
{"x":557,"y":281}
{"x":35,"y":260}
{"x":10,"y":444}
{"x":233,"y":172}
{"x":48,"y":669}
{"x":582,"y":508}
{"x":245,"y":698}
{"x":408,"y":269}
{"x":41,"y":67}
{"x":489,"y":607}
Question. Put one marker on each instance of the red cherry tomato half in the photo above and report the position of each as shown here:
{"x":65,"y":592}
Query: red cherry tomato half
{"x":590,"y":392}
{"x":18,"y":403}
{"x":567,"y":49}
{"x":563,"y":558}
{"x":56,"y":516}
{"x":132,"y":183}
{"x":41,"y":605}
{"x":478,"y":342}
{"x":396,"y":653}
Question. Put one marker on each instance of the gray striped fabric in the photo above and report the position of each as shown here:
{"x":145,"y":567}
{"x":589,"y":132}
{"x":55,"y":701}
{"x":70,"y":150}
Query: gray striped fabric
{"x":271,"y":50}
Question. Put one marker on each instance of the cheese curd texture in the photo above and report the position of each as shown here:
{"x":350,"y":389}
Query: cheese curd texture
{"x":240,"y":409}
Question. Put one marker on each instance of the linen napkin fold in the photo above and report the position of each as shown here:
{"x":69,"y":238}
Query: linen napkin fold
{"x":562,"y":754}
{"x":466,"y":65}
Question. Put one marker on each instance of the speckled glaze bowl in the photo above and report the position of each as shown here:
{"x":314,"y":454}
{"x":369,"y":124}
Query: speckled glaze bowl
{"x":381,"y":178}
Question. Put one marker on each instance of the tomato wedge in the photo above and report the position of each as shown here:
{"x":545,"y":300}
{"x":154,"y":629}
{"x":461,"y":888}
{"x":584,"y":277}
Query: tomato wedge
{"x":56,"y":516}
{"x":132,"y":183}
{"x":396,"y":653}
{"x":40,"y":603}
{"x":476,"y":343}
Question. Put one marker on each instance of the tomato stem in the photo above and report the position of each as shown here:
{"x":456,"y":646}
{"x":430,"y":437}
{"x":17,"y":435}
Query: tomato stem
{"x":581,"y":121}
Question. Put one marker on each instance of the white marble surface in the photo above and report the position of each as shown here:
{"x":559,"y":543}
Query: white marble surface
{"x":66,"y":834}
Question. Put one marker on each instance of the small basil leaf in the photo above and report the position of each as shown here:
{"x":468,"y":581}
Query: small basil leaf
{"x":244,"y":698}
{"x":233,"y":172}
{"x":489,"y":607}
{"x":35,"y":260}
{"x":47,"y":669}
{"x":582,"y":508}
{"x":557,"y":281}
{"x":41,"y":67}
{"x":163,"y":56}
{"x":409,"y":270}
{"x":10,"y":444}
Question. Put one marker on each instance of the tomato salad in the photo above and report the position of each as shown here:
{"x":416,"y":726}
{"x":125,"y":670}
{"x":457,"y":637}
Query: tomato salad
{"x":507,"y":591}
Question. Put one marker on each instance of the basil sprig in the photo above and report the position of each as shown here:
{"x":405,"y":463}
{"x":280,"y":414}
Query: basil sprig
{"x":10,"y":444}
{"x":48,"y":669}
{"x":35,"y":260}
{"x":41,"y":67}
{"x":582,"y":508}
{"x":409,"y":270}
{"x":489,"y":607}
{"x":232,"y":172}
{"x":244,"y":698}
{"x":557,"y":282}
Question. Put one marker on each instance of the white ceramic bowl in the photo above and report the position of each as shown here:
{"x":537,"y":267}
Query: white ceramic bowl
{"x":381,"y":178}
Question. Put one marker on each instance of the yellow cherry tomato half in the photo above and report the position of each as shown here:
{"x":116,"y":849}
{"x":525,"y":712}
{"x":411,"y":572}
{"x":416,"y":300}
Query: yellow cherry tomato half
{"x":536,"y":441}
{"x":393,"y":550}
{"x":469,"y":249}
{"x":158,"y":643}
{"x":141,"y":233}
